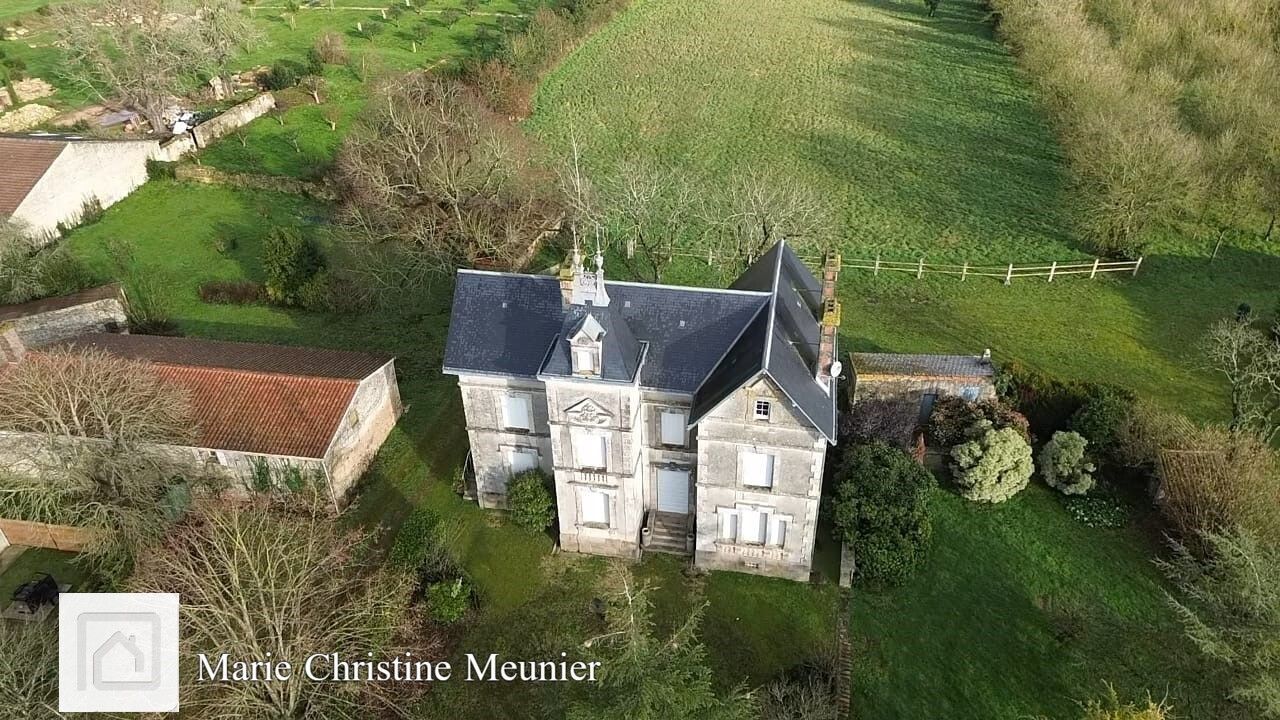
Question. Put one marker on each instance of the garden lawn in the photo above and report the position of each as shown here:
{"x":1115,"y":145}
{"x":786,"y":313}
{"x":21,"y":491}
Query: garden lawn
{"x":925,"y":139}
{"x":1022,"y":612}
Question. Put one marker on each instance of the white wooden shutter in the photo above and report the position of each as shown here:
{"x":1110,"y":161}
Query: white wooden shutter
{"x":516,"y":411}
{"x":590,"y":449}
{"x":522,"y":459}
{"x":595,"y":507}
{"x":584,"y":360}
{"x":673,"y":428}
{"x":728,"y":524}
{"x":777,"y":532}
{"x":751,"y":526}
{"x":757,"y":470}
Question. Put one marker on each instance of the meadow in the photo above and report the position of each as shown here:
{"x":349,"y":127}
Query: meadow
{"x":928,"y":140}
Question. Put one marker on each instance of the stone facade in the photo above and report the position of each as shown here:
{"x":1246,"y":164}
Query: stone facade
{"x":566,"y":414}
{"x":373,"y":413}
{"x":106,"y":170}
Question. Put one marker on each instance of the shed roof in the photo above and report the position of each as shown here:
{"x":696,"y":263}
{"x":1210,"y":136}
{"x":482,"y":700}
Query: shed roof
{"x":253,"y":398}
{"x":959,"y":366}
{"x":61,"y":302}
{"x":26,"y":160}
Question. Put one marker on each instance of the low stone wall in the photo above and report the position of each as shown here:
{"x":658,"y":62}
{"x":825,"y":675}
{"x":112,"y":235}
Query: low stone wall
{"x":210,"y":130}
{"x":44,"y":535}
{"x":240,"y":115}
{"x":213,"y":176}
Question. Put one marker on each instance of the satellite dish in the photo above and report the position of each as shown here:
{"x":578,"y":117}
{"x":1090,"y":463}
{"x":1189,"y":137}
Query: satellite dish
{"x":836,"y":368}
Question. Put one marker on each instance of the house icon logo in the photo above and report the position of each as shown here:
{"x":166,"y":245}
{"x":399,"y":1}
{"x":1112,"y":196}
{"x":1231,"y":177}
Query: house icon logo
{"x":118,"y":652}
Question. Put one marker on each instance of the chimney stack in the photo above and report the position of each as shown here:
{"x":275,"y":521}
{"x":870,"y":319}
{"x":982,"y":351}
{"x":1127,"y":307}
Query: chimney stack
{"x":830,"y":318}
{"x":12,"y":349}
{"x":569,"y":273}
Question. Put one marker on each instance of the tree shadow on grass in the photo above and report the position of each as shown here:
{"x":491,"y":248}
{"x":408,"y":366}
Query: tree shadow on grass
{"x":946,"y":136}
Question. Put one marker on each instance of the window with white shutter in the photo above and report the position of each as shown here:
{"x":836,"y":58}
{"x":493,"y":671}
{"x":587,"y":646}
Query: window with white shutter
{"x":591,"y":449}
{"x":522,"y":459}
{"x":595,"y":507}
{"x":517,"y":412}
{"x":673,"y":428}
{"x":778,"y":532}
{"x":757,"y":469}
{"x":728,"y":519}
{"x":752,"y":528}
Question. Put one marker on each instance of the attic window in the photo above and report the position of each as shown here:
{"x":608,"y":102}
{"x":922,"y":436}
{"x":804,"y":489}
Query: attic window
{"x":762,"y":409}
{"x":584,"y":361}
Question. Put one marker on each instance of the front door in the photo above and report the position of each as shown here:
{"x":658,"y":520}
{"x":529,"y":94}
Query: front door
{"x":673,"y":491}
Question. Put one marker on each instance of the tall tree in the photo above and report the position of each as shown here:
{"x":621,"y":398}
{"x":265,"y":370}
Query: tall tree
{"x":646,"y":677}
{"x":282,"y":578}
{"x":1229,"y":604}
{"x":1249,"y":359}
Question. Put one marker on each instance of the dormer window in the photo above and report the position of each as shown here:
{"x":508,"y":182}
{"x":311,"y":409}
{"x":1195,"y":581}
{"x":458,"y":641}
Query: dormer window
{"x":584,"y":361}
{"x":585,"y":347}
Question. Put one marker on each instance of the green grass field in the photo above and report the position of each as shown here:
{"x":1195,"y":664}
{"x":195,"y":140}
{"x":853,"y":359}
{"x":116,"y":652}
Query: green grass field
{"x":925,"y":137}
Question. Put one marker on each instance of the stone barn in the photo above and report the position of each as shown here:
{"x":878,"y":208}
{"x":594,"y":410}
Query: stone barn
{"x":324,"y":412}
{"x":47,"y":179}
{"x":50,"y":320}
{"x":915,"y":382}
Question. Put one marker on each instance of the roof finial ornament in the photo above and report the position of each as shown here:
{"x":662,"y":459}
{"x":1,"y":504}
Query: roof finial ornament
{"x":601,"y":295}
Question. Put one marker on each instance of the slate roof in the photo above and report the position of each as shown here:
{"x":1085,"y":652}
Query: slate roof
{"x":246,"y":397}
{"x":622,"y":352}
{"x":706,"y":342}
{"x":25,"y":161}
{"x":960,"y":366}
{"x":61,"y":302}
{"x":780,"y":344}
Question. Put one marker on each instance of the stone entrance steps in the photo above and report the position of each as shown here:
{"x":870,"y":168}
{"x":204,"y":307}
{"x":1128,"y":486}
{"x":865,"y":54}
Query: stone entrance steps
{"x":668,"y":533}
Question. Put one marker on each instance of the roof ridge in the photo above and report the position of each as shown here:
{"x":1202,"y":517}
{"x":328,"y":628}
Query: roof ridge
{"x":254,"y":373}
{"x":773,"y":303}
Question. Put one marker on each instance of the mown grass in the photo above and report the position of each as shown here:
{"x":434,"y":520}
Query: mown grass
{"x":32,"y":562}
{"x":926,"y":139}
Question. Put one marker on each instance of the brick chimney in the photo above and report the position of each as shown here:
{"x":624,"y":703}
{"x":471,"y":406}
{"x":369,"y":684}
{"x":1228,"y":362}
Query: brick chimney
{"x":12,"y":349}
{"x":830,"y":318}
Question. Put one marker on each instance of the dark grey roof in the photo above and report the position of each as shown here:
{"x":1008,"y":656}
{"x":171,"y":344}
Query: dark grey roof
{"x":502,"y":324}
{"x":693,"y":340}
{"x":781,"y":344}
{"x":922,"y":365}
{"x":686,"y":330}
{"x":622,"y":352}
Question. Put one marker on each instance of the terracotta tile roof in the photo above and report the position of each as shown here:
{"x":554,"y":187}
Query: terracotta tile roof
{"x":252,"y":357}
{"x":249,"y":397}
{"x":921,"y":365}
{"x":262,"y":412}
{"x":37,"y":307}
{"x":23,"y":161}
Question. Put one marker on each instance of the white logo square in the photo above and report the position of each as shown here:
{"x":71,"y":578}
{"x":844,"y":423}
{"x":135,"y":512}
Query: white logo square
{"x":117,"y":652}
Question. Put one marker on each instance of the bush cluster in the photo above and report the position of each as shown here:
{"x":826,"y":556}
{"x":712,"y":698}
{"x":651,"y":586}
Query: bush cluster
{"x":1051,"y":404}
{"x":952,"y":416}
{"x":232,"y":292}
{"x":529,"y":500}
{"x":448,"y":600}
{"x":330,"y":49}
{"x":1065,"y":465}
{"x":992,"y":465}
{"x":292,"y":263}
{"x":284,"y":73}
{"x":881,"y":510}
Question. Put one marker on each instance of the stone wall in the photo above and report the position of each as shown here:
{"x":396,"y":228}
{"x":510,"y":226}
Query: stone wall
{"x":370,"y":418}
{"x":58,"y":325}
{"x":914,"y":389}
{"x":210,"y":130}
{"x":107,"y":170}
{"x":213,"y":176}
{"x":800,"y":453}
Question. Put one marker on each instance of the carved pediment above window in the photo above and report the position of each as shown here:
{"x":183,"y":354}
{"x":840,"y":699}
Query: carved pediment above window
{"x":589,"y":412}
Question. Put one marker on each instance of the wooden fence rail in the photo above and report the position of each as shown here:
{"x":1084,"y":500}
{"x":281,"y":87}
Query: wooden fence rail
{"x":1054,"y":269}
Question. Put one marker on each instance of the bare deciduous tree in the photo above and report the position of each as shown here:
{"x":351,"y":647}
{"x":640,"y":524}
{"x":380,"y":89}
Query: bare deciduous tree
{"x":144,"y":51}
{"x":29,"y":672}
{"x":434,"y":178}
{"x":1250,"y":360}
{"x":1214,"y":480}
{"x":282,"y":579}
{"x":756,"y":210}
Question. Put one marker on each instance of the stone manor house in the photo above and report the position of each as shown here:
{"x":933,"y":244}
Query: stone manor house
{"x":680,"y":419}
